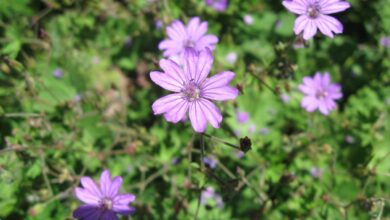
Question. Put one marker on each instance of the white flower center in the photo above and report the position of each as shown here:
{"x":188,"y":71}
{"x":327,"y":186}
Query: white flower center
{"x":313,"y":11}
{"x":321,"y":94}
{"x":191,"y":91}
{"x":106,"y":203}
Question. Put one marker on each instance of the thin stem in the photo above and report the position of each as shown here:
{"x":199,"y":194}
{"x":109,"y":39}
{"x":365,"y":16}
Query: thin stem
{"x":222,"y":141}
{"x":264,"y":83}
{"x":201,"y":150}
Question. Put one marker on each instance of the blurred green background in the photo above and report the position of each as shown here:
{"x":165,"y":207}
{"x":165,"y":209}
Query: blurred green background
{"x":75,"y":98}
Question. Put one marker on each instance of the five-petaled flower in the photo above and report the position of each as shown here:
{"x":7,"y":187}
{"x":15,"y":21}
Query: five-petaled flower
{"x":320,"y":93}
{"x":190,"y":36}
{"x":314,"y":14}
{"x":193,"y":91}
{"x":104,"y":202}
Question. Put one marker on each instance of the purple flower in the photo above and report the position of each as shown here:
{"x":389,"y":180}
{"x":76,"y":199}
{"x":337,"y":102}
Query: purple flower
{"x":218,"y":5}
{"x":57,"y":73}
{"x":320,"y":93}
{"x":104,"y":202}
{"x":193,"y":92}
{"x":231,"y":58}
{"x":209,"y":194}
{"x":210,"y":161}
{"x":315,"y":172}
{"x":239,"y":154}
{"x":242,"y":117}
{"x":248,"y":19}
{"x":182,"y":37}
{"x":158,"y":24}
{"x":314,"y":14}
{"x":385,"y":41}
{"x":349,"y":139}
{"x":252,"y":129}
{"x":285,"y":98}
{"x":264,"y":131}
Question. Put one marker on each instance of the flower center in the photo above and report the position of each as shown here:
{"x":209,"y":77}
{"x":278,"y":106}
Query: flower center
{"x":191,"y":91}
{"x":321,"y":94}
{"x":313,"y":11}
{"x":106,"y":204}
{"x":189,"y":43}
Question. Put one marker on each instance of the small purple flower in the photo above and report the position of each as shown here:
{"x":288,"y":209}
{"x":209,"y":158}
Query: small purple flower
{"x":190,"y":36}
{"x":314,"y":14}
{"x":102,"y":202}
{"x":210,"y":161}
{"x":285,"y":98}
{"x":315,"y":172}
{"x":264,"y":131}
{"x":385,"y":42}
{"x":242,"y":117}
{"x":278,"y":24}
{"x":239,"y":154}
{"x":128,"y":42}
{"x":231,"y":58}
{"x":158,"y":24}
{"x":209,"y":194}
{"x":349,"y":139}
{"x":320,"y":93}
{"x":252,"y":129}
{"x":218,"y":5}
{"x":248,"y":19}
{"x":77,"y":98}
{"x":193,"y":91}
{"x":57,"y":73}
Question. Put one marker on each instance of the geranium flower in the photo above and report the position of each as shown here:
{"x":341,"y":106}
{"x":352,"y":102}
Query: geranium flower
{"x":314,"y":14}
{"x":104,"y":202}
{"x":320,"y":93}
{"x":191,"y":36}
{"x":193,"y":91}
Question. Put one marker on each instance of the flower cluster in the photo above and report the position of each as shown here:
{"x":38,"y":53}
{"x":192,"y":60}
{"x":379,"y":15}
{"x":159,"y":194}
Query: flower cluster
{"x":190,"y":59}
{"x":185,"y":69}
{"x":314,"y":14}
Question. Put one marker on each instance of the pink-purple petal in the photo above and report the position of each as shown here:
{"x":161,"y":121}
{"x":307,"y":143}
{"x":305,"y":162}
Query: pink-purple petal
{"x":86,"y":196}
{"x":332,"y":23}
{"x":197,"y":117}
{"x":310,"y":103}
{"x":221,"y":93}
{"x":166,"y":81}
{"x":166,"y":103}
{"x":204,"y":64}
{"x":294,"y":6}
{"x":190,"y":63}
{"x":87,"y":212}
{"x":109,"y":216}
{"x":211,"y":112}
{"x":105,"y":182}
{"x":177,"y":31}
{"x":324,"y":28}
{"x":115,"y":186}
{"x":310,"y":30}
{"x":300,"y":24}
{"x":90,"y":186}
{"x":124,"y":199}
{"x":173,"y":69}
{"x":208,"y":41}
{"x":334,"y":7}
{"x":219,"y":80}
{"x":177,"y":112}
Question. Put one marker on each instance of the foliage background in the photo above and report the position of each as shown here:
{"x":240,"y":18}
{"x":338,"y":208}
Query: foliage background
{"x":98,"y":114}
